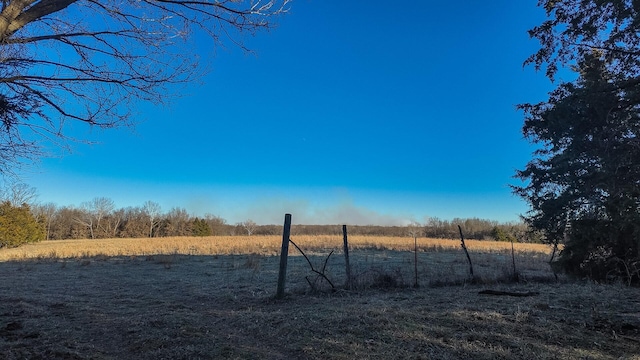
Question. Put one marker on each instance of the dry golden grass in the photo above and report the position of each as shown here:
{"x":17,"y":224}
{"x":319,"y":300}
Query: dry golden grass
{"x":236,"y":245}
{"x":221,"y":307}
{"x":144,"y":299}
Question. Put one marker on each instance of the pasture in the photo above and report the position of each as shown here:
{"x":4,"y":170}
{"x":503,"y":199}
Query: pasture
{"x":207,"y":298}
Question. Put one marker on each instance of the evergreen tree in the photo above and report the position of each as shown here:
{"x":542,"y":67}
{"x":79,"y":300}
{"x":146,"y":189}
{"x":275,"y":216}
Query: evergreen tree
{"x":18,"y":226}
{"x":201,"y":227}
{"x":584,"y":180}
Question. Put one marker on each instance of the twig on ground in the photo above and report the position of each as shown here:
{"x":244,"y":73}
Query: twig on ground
{"x":321,"y":274}
{"x":508,"y":293}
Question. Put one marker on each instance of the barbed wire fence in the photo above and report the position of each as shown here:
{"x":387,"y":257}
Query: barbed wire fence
{"x":339,"y":267}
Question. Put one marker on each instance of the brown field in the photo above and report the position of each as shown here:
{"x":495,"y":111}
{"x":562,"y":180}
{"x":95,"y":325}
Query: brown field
{"x":236,"y":245}
{"x":209,"y":298}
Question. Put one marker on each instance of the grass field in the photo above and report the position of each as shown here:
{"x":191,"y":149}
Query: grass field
{"x":235,"y":245}
{"x":188,"y":298}
{"x":440,"y":261}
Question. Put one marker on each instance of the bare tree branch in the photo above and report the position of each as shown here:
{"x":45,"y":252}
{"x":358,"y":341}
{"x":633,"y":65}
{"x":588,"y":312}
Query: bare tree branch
{"x":92,"y":61}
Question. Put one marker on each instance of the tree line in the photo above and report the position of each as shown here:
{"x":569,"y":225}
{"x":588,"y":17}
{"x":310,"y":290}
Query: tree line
{"x":99,"y":218}
{"x":473,"y":228}
{"x":23,"y":220}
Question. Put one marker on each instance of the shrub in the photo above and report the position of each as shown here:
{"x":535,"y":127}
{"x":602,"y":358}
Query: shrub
{"x":500,"y":234}
{"x":18,"y":226}
{"x":201,"y":227}
{"x":602,"y":251}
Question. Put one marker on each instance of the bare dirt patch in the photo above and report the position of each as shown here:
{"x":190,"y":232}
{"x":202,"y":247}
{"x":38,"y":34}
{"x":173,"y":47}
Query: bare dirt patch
{"x":203,"y":307}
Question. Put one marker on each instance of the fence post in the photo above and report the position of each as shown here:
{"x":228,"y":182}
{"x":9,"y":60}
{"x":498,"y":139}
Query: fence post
{"x":415,"y":261}
{"x":284,"y":253}
{"x":346,"y":255}
{"x":464,"y":247}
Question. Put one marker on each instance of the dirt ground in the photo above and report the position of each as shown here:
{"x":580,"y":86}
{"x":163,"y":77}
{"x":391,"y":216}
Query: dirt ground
{"x":210,"y":307}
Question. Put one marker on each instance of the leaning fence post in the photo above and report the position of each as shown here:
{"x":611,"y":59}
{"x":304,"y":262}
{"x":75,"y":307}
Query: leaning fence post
{"x":464,"y":247}
{"x":346,"y":255}
{"x":284,"y":252}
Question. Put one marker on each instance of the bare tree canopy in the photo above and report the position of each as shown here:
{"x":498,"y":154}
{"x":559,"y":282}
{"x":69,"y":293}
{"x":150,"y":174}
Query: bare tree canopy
{"x":17,"y":193}
{"x":89,"y":61}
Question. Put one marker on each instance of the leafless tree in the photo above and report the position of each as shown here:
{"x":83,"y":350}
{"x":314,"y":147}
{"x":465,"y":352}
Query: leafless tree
{"x":153,"y":211}
{"x":85,"y":217}
{"x":135,"y":222}
{"x":216,"y":224}
{"x":89,"y":61}
{"x":114,"y":221}
{"x":65,"y":225}
{"x":179,"y":222}
{"x":46,"y":213}
{"x":101,"y":207}
{"x":415,"y":229}
{"x":93,"y":213}
{"x":249,"y":226}
{"x":17,"y":193}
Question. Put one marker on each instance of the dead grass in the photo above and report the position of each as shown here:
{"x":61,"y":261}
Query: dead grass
{"x":229,"y":245}
{"x":208,"y":307}
{"x":375,"y":261}
{"x":208,"y":298}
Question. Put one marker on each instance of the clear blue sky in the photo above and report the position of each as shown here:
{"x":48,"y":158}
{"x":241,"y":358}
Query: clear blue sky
{"x":348,"y":112}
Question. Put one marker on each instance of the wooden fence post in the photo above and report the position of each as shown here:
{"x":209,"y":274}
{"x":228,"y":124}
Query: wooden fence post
{"x":464,"y":247}
{"x":415,"y":261}
{"x":346,"y":255}
{"x":284,"y":253}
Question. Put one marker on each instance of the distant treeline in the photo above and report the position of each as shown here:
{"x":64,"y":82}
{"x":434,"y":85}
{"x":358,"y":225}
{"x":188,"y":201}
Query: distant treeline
{"x":100,"y":219}
{"x":473,"y":228}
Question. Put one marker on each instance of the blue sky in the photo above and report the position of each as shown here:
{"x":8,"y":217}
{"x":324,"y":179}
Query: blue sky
{"x":347,"y":112}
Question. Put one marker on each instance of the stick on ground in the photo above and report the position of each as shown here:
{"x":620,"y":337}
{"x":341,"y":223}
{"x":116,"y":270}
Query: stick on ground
{"x":508,"y":293}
